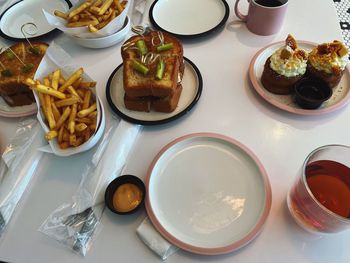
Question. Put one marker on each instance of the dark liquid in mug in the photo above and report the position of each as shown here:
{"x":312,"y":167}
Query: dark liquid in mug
{"x":269,"y":3}
{"x":329,"y":182}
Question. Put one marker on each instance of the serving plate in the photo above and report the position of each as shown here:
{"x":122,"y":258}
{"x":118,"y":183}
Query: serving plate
{"x":29,"y":13}
{"x":340,"y":97}
{"x":192,"y":89}
{"x":189,"y":19}
{"x":15,"y":112}
{"x":207,"y":193}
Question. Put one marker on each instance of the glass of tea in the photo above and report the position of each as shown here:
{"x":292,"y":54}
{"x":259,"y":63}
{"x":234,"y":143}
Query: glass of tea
{"x":319,"y":200}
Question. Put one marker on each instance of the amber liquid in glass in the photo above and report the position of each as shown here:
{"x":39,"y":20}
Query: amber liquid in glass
{"x":329,"y":182}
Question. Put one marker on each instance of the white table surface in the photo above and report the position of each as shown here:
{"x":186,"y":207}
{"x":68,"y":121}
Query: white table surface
{"x":228,"y":106}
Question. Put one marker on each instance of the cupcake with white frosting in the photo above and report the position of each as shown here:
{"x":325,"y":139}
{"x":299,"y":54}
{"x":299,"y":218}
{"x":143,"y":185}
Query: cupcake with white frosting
{"x":328,"y":62}
{"x":284,"y":68}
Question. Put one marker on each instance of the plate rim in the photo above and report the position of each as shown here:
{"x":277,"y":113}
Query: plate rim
{"x":250,"y":236}
{"x":156,"y":122}
{"x":191,"y":36}
{"x":260,"y":90}
{"x":50,"y":33}
{"x":16,"y":114}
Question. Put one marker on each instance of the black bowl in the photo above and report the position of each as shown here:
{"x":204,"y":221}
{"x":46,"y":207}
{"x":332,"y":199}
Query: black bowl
{"x":310,"y":93}
{"x":113,"y":186}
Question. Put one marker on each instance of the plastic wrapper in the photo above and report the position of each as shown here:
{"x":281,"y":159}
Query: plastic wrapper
{"x":76,"y":223}
{"x":18,"y":165}
{"x":115,"y":25}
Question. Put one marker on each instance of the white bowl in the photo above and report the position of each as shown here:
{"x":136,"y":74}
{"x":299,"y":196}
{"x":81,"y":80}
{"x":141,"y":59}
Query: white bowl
{"x":102,"y":42}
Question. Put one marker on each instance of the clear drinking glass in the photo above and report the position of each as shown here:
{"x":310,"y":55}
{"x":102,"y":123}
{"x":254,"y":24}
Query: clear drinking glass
{"x":319,"y":201}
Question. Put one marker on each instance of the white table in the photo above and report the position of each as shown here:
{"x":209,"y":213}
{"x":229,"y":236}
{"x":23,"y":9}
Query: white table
{"x":228,"y":106}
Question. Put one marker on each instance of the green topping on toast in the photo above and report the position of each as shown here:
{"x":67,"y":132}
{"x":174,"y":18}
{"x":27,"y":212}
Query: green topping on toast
{"x":160,"y":70}
{"x":6,"y":73}
{"x":141,"y":46}
{"x":9,"y":54}
{"x":27,"y":67}
{"x":165,"y":47}
{"x":34,"y":51}
{"x":138,"y":66}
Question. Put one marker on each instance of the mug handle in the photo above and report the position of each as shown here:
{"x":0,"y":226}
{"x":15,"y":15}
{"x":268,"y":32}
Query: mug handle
{"x":239,"y":14}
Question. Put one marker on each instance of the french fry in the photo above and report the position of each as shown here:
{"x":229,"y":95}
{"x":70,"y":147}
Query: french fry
{"x":76,"y":75}
{"x":97,"y":3}
{"x":86,"y":134}
{"x":83,"y":23}
{"x":55,"y":79}
{"x":93,"y":115}
{"x":64,"y":116}
{"x":64,"y":145}
{"x":92,"y":126}
{"x":42,"y":103}
{"x":86,"y":100}
{"x":84,"y":120}
{"x":86,"y":112}
{"x":67,"y":102}
{"x":72,"y":91}
{"x":60,"y":14}
{"x":71,"y":120}
{"x":60,"y":135}
{"x":50,"y":117}
{"x":55,"y":111}
{"x":51,"y":134}
{"x":81,"y":93}
{"x":50,"y":91}
{"x":85,"y":85}
{"x":118,"y":5}
{"x":92,"y":28}
{"x":72,"y":139}
{"x":104,"y":7}
{"x":80,"y":127}
{"x":79,"y":9}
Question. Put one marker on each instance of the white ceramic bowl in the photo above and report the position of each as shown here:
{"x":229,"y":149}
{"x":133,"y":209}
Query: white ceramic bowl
{"x":102,"y":42}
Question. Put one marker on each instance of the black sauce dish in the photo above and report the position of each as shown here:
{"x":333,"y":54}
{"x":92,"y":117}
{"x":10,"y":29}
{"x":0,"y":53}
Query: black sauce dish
{"x":119,"y":181}
{"x":310,"y":93}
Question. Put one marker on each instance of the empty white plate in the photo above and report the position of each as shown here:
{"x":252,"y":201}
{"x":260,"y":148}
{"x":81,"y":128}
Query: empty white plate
{"x":29,"y":13}
{"x":207,"y":194}
{"x":189,"y":19}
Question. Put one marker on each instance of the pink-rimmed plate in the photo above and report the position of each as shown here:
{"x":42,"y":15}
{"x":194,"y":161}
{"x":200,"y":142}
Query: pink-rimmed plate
{"x":340,"y":97}
{"x":207,"y":193}
{"x":16,"y":112}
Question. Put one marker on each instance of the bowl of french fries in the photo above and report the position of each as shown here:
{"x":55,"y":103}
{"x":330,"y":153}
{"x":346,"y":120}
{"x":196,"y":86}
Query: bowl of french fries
{"x":69,"y":110}
{"x":107,"y":41}
{"x":91,"y":18}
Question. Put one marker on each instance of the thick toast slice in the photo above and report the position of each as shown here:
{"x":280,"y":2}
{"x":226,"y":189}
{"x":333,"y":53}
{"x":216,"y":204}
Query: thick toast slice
{"x":137,"y":84}
{"x":167,"y":104}
{"x":17,"y":63}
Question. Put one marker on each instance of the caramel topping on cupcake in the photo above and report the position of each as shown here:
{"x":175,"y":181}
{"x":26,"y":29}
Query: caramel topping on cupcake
{"x":289,"y":60}
{"x":329,"y":57}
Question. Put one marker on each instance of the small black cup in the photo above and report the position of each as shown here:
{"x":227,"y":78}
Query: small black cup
{"x":113,"y":186}
{"x":310,"y":93}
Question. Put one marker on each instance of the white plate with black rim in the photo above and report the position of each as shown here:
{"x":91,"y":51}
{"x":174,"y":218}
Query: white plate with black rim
{"x":30,"y":14}
{"x":189,"y":19}
{"x":207,"y":194}
{"x":192,"y":85}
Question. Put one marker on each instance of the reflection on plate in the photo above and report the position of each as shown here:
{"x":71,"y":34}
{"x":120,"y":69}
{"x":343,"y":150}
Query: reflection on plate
{"x":207,"y":194}
{"x":189,"y":19}
{"x":15,"y":112}
{"x":29,"y":12}
{"x":340,"y":97}
{"x":192,"y":89}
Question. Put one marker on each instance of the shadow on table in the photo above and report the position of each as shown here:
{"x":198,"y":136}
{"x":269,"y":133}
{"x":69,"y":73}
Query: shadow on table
{"x":248,"y":38}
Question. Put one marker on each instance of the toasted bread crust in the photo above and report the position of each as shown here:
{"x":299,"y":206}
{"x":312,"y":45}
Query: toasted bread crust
{"x":13,"y":85}
{"x":166,"y":105}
